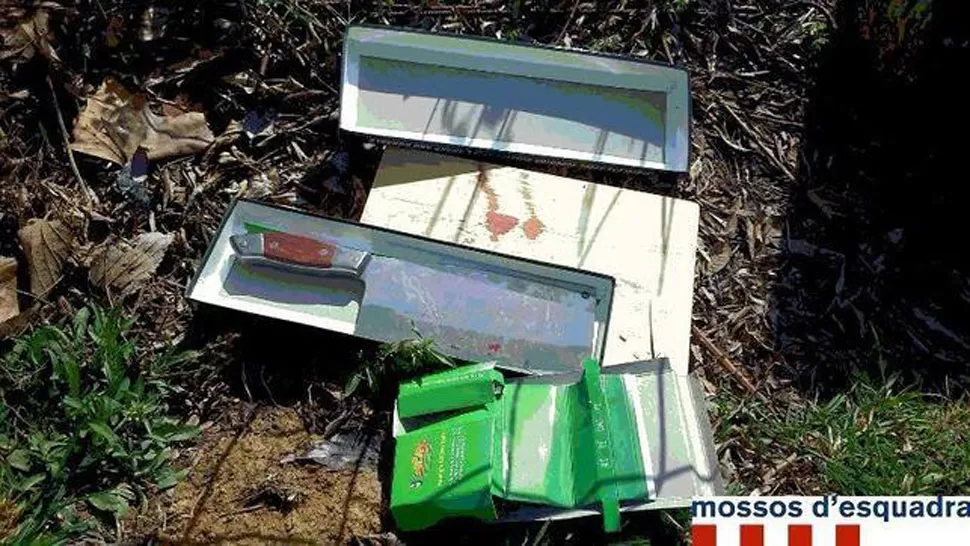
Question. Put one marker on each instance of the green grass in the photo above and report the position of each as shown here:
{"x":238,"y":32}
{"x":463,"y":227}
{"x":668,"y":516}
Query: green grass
{"x":83,"y":428}
{"x":395,"y":363}
{"x":871,"y":440}
{"x":878,"y":441}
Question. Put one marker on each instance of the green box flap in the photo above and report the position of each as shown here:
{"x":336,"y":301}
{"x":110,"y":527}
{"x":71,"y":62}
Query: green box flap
{"x":572,"y":445}
{"x":465,"y":387}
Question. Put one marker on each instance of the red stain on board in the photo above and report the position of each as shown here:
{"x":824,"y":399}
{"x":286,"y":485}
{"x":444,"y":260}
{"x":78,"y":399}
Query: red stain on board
{"x":498,"y":224}
{"x":532,"y":228}
{"x":494,"y":347}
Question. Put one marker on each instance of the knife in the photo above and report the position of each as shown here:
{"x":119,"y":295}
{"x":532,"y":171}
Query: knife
{"x":526,"y":321}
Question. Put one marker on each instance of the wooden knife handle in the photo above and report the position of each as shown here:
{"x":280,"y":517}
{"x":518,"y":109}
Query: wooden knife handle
{"x":299,"y":250}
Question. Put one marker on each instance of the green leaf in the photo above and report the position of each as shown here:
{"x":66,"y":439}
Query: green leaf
{"x":442,"y":359}
{"x":158,"y":462}
{"x":126,"y":492}
{"x":138,"y":387}
{"x":72,"y":373}
{"x":81,"y":322}
{"x":31,"y":481}
{"x":123,"y":385}
{"x":168,"y":478}
{"x":19,"y":459}
{"x":98,"y":415}
{"x":109,"y":501}
{"x":103,"y":431}
{"x":173,"y":358}
{"x":89,"y":459}
{"x":182,"y":433}
{"x":352,"y":384}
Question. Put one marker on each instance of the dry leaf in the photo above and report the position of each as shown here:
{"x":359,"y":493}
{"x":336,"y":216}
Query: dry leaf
{"x":720,"y":258}
{"x":751,"y":234}
{"x":18,"y":324}
{"x":9,"y":307}
{"x":114,"y":123}
{"x":46,"y":245}
{"x":124,"y":266}
{"x":115,"y":30}
{"x":31,"y":36}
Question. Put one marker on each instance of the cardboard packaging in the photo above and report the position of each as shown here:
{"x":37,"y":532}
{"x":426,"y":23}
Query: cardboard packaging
{"x":556,"y":445}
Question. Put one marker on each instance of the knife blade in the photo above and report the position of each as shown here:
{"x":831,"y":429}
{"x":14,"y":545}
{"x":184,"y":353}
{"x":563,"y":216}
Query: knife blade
{"x":471,"y":313}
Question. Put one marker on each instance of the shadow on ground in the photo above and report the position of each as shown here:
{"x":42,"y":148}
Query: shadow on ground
{"x":275,"y":361}
{"x":877,"y":276}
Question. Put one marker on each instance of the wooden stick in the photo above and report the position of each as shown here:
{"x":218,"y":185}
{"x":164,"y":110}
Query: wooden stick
{"x":89,"y":195}
{"x":569,"y":21}
{"x":727,"y":363}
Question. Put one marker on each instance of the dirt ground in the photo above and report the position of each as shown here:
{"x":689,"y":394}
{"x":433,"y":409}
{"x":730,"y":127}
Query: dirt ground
{"x":238,"y":492}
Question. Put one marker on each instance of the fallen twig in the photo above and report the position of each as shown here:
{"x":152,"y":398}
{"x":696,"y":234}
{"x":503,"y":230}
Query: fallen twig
{"x":833,"y":23}
{"x":245,"y":510}
{"x":757,"y":141}
{"x":569,"y":21}
{"x":89,"y":195}
{"x":336,"y":423}
{"x":727,"y":363}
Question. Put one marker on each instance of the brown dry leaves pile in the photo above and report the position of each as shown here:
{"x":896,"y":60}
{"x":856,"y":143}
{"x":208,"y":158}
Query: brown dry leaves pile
{"x":115,"y":123}
{"x":31,"y":36}
{"x":119,"y":268}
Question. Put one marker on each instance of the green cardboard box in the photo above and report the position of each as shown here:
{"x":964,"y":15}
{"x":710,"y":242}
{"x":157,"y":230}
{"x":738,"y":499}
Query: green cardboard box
{"x":471,"y":435}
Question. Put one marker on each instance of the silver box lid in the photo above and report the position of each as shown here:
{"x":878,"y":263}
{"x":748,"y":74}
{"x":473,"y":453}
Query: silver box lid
{"x":445,"y":91}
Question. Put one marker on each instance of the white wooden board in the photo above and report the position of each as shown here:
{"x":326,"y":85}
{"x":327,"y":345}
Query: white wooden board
{"x":647,"y":242}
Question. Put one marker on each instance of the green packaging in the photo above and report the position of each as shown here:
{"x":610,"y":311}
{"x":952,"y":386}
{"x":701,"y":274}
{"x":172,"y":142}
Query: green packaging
{"x":471,"y":436}
{"x":444,"y":469}
{"x":466,"y":387}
